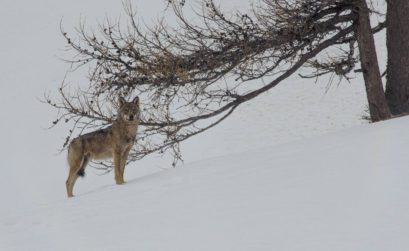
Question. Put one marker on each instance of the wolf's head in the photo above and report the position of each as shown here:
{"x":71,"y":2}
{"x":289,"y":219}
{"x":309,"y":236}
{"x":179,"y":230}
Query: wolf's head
{"x":129,"y":111}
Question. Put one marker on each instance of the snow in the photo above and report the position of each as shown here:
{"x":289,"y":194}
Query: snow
{"x":342,"y":191}
{"x":295,"y":169}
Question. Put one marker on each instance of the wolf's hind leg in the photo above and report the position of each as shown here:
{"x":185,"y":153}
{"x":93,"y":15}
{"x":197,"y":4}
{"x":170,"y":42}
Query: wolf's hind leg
{"x":76,"y":161}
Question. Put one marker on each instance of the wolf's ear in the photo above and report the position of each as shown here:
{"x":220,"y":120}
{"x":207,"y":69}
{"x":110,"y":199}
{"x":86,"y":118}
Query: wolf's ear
{"x":136,"y":100}
{"x":122,"y":101}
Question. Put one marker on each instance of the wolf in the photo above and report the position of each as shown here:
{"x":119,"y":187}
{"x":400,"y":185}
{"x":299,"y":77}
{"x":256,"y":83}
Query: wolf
{"x":113,"y":142}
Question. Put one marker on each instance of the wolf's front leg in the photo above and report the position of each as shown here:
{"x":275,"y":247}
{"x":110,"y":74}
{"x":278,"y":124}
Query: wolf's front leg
{"x":123,"y":162}
{"x":117,"y":167}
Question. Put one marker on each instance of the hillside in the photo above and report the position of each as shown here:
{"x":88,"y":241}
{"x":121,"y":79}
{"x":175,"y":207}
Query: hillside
{"x":344,"y":191}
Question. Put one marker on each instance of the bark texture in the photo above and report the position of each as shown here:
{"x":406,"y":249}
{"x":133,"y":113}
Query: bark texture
{"x":397,"y":42}
{"x":378,"y":106}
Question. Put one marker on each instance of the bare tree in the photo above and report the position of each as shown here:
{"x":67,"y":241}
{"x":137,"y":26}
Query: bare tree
{"x":191,"y":77}
{"x":378,"y":107}
{"x":397,"y":86}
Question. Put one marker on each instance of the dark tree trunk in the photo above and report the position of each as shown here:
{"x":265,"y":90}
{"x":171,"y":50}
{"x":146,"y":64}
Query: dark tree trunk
{"x":397,"y":42}
{"x":378,"y":107}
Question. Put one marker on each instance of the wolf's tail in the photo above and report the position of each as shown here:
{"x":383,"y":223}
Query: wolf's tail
{"x":81,"y":172}
{"x":76,"y":157}
{"x":84,"y":164}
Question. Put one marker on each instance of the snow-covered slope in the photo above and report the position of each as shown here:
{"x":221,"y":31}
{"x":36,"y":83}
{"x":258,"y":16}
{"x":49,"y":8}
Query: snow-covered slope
{"x":343,"y":191}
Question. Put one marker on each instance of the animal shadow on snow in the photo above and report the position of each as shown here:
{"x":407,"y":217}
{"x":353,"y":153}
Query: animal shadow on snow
{"x":134,"y":181}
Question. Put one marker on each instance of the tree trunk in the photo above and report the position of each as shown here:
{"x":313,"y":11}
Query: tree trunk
{"x":397,"y":42}
{"x":378,"y":107}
